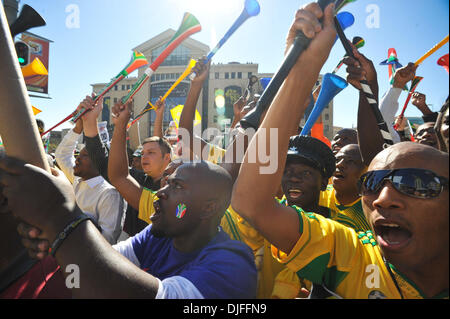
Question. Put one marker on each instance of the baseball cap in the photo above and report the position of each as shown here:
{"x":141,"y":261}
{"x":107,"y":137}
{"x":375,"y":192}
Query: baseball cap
{"x":312,"y":152}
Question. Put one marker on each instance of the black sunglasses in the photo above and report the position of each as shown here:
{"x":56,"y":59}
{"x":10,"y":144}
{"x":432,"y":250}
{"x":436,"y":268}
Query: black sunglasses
{"x":414,"y":182}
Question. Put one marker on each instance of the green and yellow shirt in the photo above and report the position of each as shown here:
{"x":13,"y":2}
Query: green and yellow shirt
{"x":346,"y":263}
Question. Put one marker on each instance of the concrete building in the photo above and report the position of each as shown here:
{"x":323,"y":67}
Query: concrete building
{"x":230,"y":80}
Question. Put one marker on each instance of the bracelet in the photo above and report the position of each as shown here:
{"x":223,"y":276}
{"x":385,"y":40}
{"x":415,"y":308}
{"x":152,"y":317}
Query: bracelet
{"x":66,"y":232}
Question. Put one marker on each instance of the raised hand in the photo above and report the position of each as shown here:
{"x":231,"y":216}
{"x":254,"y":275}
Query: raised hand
{"x":400,"y":123}
{"x":160,"y":106}
{"x":358,"y":68}
{"x":323,"y":34}
{"x":94,"y":108}
{"x":404,"y":75}
{"x":201,"y":70}
{"x":238,"y":108}
{"x":121,"y":113}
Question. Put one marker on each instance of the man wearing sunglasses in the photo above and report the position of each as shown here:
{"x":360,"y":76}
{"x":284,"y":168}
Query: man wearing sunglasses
{"x":412,"y":262}
{"x":405,"y":199}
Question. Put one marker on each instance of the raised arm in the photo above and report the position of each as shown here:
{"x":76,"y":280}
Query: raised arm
{"x":97,"y":151}
{"x":257,"y":184}
{"x":419,"y":101}
{"x":389,"y":104}
{"x":188,"y":114}
{"x":369,"y":136}
{"x":158,"y":125}
{"x":64,"y":152}
{"x":118,"y":172}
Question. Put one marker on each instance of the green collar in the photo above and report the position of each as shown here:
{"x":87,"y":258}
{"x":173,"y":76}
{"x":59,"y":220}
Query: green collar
{"x":442,"y":295}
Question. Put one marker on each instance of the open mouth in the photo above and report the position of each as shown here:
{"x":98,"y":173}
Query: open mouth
{"x":391,"y":235}
{"x":294,"y":193}
{"x":338,"y":174}
{"x":158,"y":212}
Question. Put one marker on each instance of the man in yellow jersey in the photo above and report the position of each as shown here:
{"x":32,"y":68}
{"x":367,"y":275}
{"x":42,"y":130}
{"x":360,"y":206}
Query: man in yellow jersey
{"x":350,"y":264}
{"x":309,"y":165}
{"x":342,"y":196}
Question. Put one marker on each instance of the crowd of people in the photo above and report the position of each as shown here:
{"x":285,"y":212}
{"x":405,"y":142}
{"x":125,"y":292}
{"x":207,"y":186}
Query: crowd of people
{"x":169,"y":220}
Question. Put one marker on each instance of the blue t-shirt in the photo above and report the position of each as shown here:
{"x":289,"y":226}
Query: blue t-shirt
{"x":224,"y":268}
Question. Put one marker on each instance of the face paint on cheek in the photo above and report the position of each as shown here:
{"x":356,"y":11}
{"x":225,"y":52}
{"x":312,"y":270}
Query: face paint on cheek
{"x":181,"y":210}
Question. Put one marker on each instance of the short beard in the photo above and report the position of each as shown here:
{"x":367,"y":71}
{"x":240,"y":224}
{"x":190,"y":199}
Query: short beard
{"x":158,"y":233}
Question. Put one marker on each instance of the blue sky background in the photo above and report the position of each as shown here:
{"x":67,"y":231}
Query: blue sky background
{"x":109,"y":29}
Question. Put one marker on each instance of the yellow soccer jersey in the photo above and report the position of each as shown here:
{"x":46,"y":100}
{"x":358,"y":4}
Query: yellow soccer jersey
{"x":146,"y":209}
{"x":346,"y":263}
{"x":350,"y":215}
{"x":268,"y":267}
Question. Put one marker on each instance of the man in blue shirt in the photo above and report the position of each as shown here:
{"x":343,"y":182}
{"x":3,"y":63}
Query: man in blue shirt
{"x":183,"y":254}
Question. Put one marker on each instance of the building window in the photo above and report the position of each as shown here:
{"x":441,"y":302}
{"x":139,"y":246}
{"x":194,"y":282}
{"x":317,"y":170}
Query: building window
{"x":128,"y":86}
{"x":180,"y":56}
{"x":153,"y":78}
{"x":123,"y":87}
{"x":115,"y":100}
{"x":326,"y":128}
{"x":327,"y":117}
{"x":239,"y":75}
{"x":163,"y":76}
{"x":227,"y":75}
{"x":216,"y":75}
{"x":233,"y":75}
{"x":158,"y":77}
{"x":115,"y":88}
{"x":250,"y":74}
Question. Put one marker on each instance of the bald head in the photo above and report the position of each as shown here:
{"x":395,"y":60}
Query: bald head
{"x":411,"y":155}
{"x":213,"y":182}
{"x":351,"y":149}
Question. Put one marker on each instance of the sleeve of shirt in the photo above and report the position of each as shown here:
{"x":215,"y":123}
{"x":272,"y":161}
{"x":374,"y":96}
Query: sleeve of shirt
{"x":227,"y":272}
{"x":64,"y":154}
{"x":325,"y":253}
{"x":246,"y":233}
{"x":111,"y":209}
{"x":177,"y":287}
{"x":388,"y":109}
{"x":98,"y":154}
{"x":125,"y":248}
{"x":430,"y":117}
{"x":146,"y":208}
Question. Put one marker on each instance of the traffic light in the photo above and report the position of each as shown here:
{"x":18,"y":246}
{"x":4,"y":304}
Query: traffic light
{"x":23,"y":53}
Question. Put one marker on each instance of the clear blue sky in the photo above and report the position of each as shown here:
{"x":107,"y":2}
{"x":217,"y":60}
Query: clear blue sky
{"x":109,"y":29}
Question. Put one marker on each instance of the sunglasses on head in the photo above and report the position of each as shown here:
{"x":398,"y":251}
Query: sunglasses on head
{"x":414,"y":182}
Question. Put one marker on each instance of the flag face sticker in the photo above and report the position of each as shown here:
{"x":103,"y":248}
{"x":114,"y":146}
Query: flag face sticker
{"x":181,"y":210}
